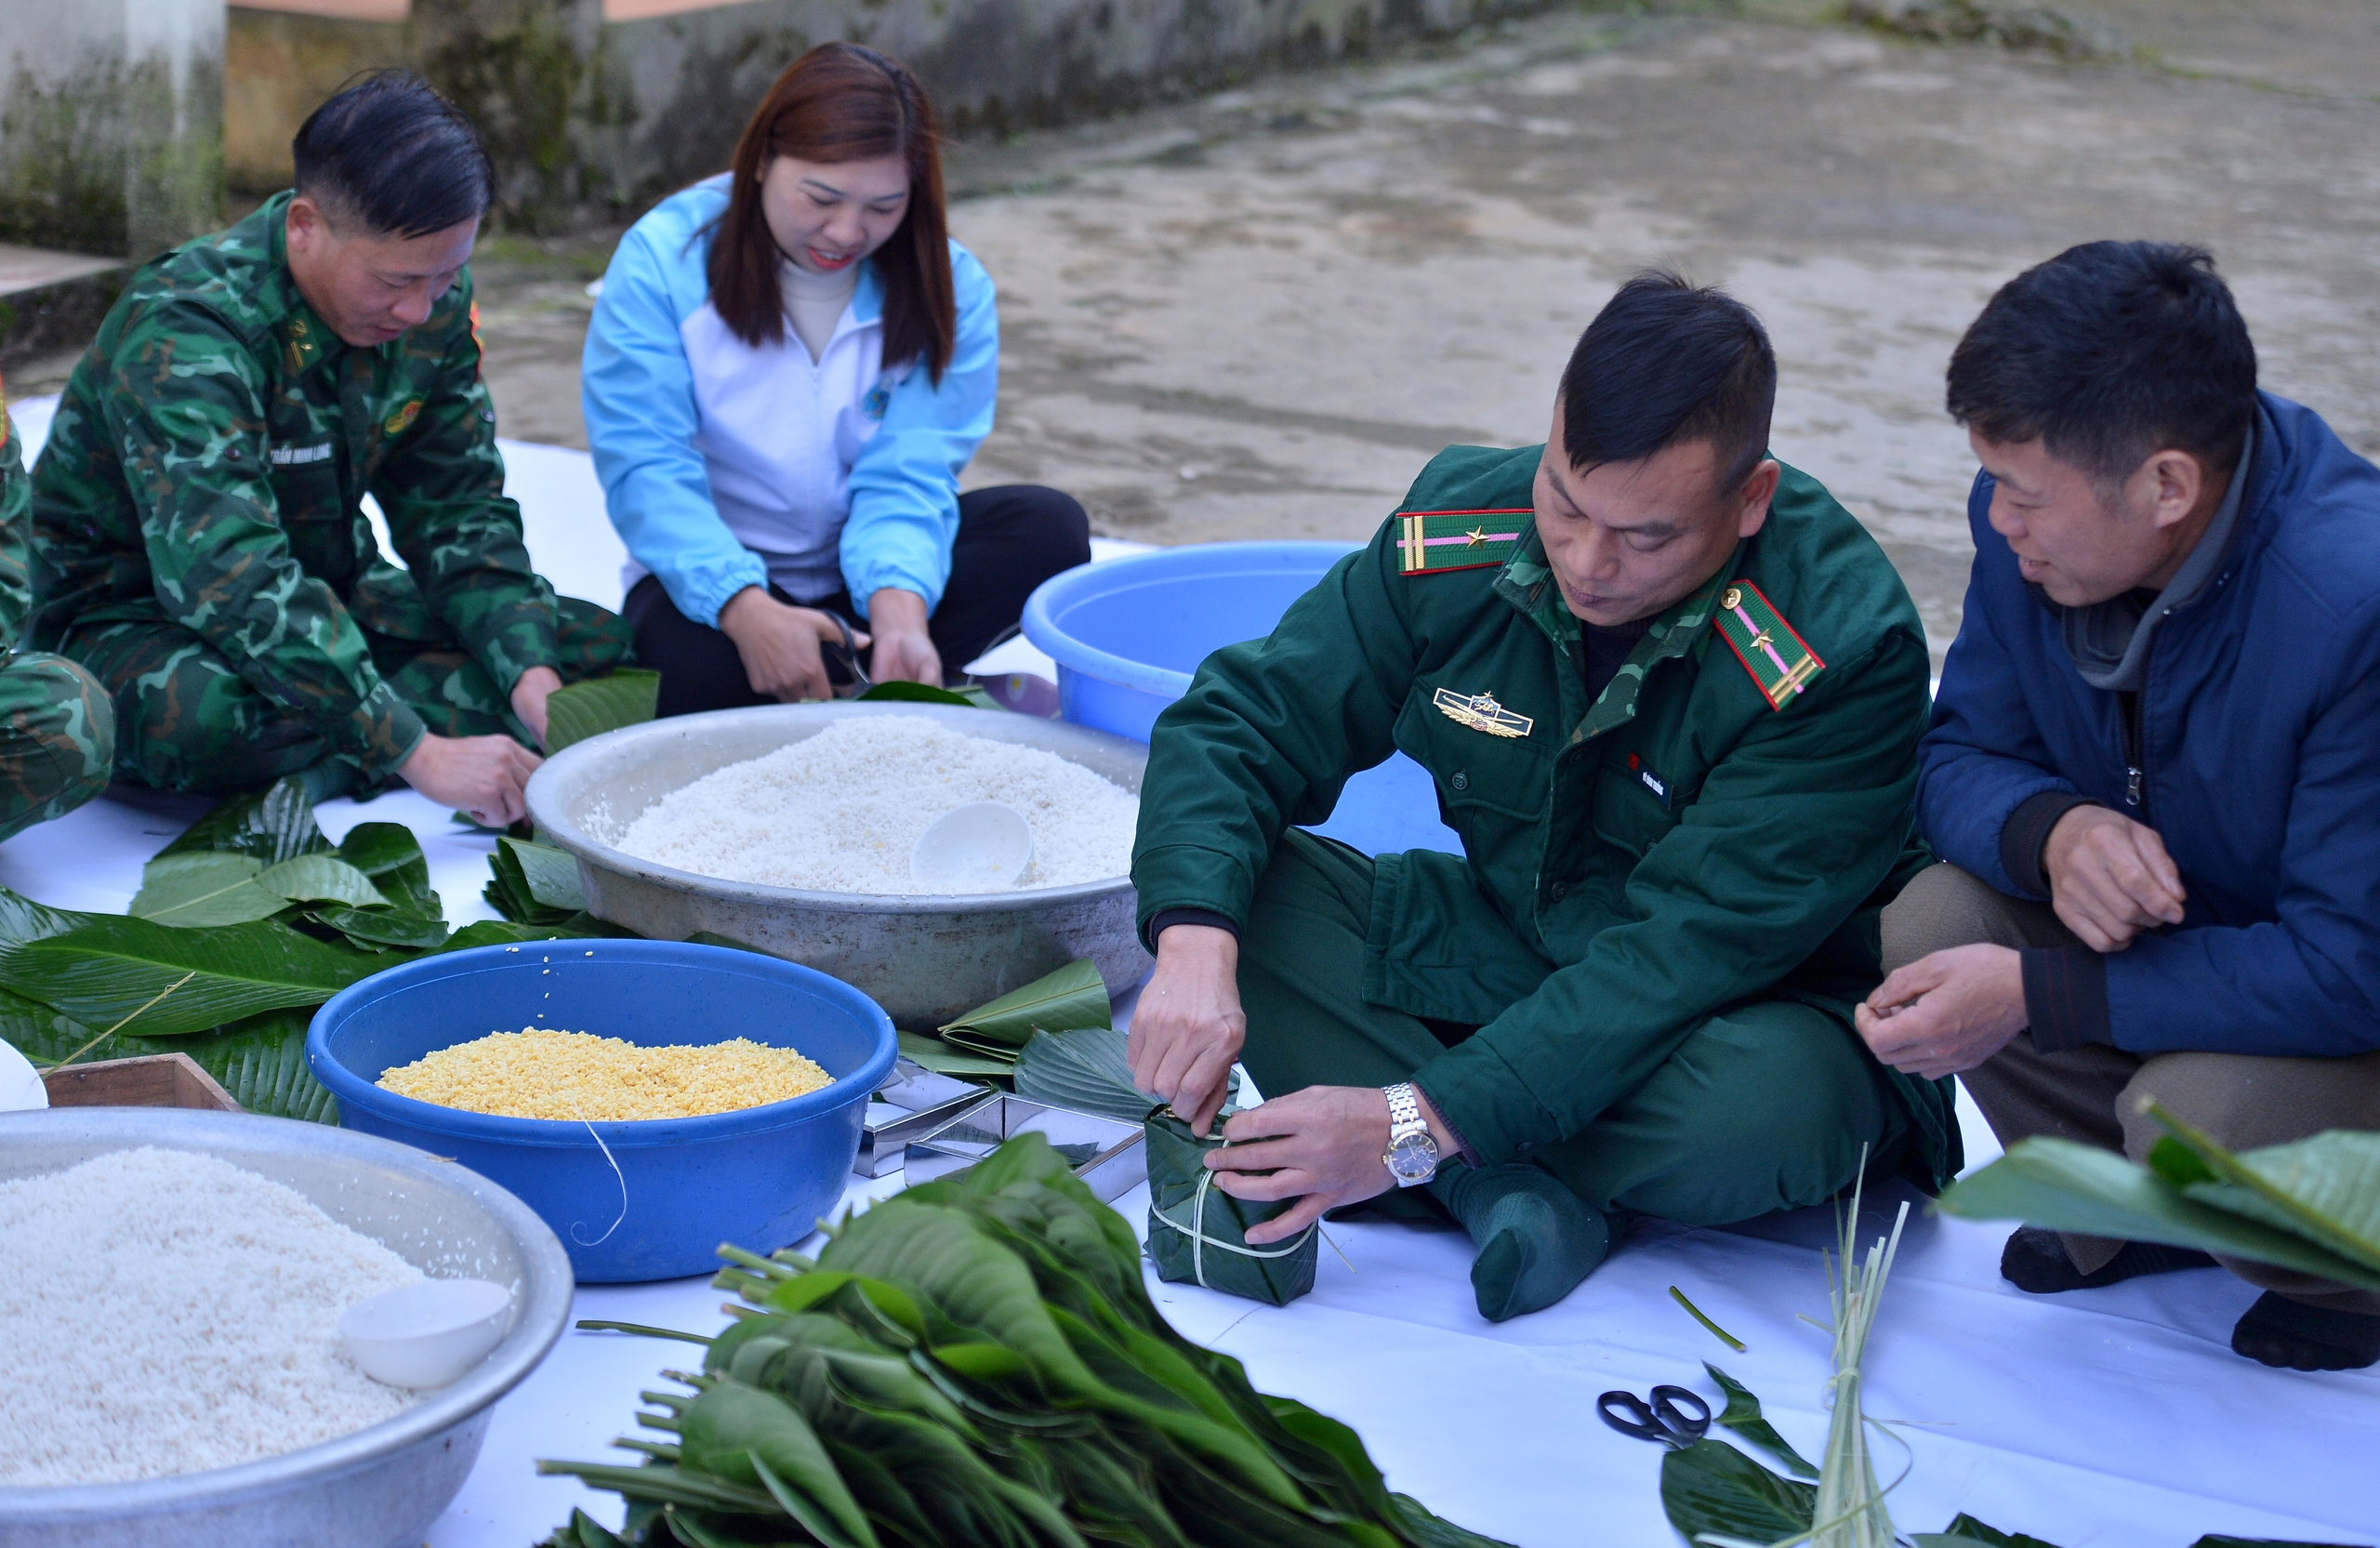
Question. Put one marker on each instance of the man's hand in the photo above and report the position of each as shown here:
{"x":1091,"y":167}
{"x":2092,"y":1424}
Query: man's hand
{"x":779,"y":644}
{"x":2109,"y":878}
{"x":1324,"y":1146}
{"x":1946,"y":1013}
{"x":1187,"y":1027}
{"x":905,"y":651}
{"x":529,"y":696}
{"x":483,"y":775}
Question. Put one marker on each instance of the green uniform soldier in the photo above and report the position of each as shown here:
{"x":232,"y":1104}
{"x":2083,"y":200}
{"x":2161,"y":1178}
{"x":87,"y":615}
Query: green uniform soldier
{"x":57,"y":727}
{"x":200,"y":542}
{"x":1670,"y":694}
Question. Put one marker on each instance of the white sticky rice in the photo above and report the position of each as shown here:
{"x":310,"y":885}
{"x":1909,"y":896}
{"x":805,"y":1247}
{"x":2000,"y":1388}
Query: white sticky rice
{"x":839,"y":811}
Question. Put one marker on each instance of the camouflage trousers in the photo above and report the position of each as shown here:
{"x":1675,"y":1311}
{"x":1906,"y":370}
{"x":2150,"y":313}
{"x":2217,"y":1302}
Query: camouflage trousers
{"x":56,"y":737}
{"x":187,"y":721}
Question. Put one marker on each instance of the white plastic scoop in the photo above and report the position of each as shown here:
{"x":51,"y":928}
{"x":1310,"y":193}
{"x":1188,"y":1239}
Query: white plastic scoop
{"x":21,"y":1087}
{"x":424,"y":1335}
{"x":984,"y":846}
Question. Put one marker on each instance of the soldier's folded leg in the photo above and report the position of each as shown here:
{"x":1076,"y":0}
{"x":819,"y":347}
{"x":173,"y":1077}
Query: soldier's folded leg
{"x":56,"y":739}
{"x":1765,"y":1106}
{"x":454,"y":694}
{"x":187,"y":720}
{"x":1300,"y":982}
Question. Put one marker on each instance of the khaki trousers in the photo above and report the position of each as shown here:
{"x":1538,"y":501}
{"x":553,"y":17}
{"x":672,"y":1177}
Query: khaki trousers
{"x":2089,"y":1094}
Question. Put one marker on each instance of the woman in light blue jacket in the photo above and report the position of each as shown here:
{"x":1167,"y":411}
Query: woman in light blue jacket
{"x":788,"y":367}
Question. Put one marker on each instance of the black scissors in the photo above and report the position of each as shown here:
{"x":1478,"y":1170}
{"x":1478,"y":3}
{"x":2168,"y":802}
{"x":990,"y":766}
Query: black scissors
{"x":1662,"y":1421}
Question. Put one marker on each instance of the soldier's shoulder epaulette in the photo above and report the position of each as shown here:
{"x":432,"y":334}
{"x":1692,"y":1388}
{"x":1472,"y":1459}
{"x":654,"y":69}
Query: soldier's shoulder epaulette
{"x":1779,"y":660}
{"x":1431,"y":541}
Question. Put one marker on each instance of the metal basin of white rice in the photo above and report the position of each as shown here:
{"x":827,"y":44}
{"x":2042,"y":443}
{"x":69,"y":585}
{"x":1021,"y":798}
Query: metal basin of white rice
{"x":380,"y":1487}
{"x":925,"y":958}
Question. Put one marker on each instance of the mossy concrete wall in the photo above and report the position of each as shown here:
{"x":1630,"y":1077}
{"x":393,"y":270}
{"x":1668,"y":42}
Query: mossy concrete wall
{"x":592,"y":119}
{"x":111,"y":124}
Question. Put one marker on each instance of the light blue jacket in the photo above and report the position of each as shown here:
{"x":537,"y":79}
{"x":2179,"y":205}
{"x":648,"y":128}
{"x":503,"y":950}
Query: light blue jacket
{"x":657,"y":355}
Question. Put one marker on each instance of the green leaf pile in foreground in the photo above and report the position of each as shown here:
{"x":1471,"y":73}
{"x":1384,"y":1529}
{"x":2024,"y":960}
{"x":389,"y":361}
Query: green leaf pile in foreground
{"x":243,"y":926}
{"x":977,"y":1361}
{"x":2311,"y":1205}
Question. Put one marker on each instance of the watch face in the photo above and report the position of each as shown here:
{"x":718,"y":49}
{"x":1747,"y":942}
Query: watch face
{"x":1413,"y":1155}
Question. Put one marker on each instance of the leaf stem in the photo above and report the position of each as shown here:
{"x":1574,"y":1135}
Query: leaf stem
{"x":120,"y":1026}
{"x":1696,"y":1312}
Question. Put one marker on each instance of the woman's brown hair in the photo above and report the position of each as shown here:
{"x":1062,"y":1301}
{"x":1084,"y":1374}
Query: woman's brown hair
{"x":841,"y":103}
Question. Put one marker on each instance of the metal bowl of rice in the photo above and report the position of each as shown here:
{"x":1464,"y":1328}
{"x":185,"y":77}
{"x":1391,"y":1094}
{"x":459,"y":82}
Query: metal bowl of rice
{"x":927,"y":958}
{"x":379,"y":1487}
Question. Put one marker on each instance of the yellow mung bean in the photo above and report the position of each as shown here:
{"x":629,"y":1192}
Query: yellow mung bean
{"x":540,"y":1073}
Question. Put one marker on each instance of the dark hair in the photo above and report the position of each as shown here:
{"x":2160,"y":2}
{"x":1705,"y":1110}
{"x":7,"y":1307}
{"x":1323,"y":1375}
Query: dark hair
{"x":841,"y":103}
{"x":388,"y":151}
{"x":1666,"y":362}
{"x":2107,"y":352}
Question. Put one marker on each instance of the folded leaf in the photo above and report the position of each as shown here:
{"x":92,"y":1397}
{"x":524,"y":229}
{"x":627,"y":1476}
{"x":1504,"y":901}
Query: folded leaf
{"x":322,"y":879}
{"x":2065,"y":1186}
{"x":551,"y":874}
{"x":945,"y":1059}
{"x":272,"y":825}
{"x":577,"y":927}
{"x":969,"y":697}
{"x":1073,"y":996}
{"x":1085,"y":1070}
{"x":1711,"y":1486}
{"x":105,"y":970}
{"x":391,"y":857}
{"x":974,"y":1047}
{"x":1743,"y":1415}
{"x":630,"y":695}
{"x":204,"y":888}
{"x":393,"y":927}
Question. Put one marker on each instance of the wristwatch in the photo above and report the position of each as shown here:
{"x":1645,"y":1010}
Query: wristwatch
{"x":1412,"y":1155}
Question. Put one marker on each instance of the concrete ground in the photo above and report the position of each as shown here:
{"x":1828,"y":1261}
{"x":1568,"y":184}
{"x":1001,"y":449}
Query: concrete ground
{"x":1259,"y":314}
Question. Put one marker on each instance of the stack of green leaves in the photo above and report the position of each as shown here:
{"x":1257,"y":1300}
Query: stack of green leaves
{"x":243,"y":926}
{"x":986,"y":1042}
{"x":533,"y":883}
{"x":2311,"y":1205}
{"x":1198,"y":1234}
{"x":977,"y":1361}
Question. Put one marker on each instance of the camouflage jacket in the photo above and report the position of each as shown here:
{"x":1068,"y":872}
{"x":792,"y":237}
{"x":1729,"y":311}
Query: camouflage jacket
{"x":207,"y":466}
{"x":16,"y":499}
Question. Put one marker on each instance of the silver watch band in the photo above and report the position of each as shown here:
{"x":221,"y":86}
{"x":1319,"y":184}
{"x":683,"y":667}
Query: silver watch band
{"x":1404,"y":1108}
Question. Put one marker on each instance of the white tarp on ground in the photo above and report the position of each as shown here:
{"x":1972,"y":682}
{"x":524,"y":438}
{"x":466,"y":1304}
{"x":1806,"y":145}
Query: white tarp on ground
{"x":2107,"y":1419}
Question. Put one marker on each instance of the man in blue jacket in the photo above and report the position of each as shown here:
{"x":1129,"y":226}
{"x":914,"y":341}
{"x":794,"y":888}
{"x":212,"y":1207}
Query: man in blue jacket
{"x":2154,"y":764}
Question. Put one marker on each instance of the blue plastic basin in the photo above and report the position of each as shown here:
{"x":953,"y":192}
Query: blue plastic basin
{"x":1127,"y":633}
{"x":760,"y":1178}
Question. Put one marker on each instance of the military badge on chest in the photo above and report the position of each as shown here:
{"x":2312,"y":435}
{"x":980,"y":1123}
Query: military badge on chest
{"x":1480,"y":712}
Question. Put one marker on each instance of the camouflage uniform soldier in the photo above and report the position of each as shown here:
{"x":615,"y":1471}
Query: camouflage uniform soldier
{"x":200,"y":541}
{"x":57,"y":727}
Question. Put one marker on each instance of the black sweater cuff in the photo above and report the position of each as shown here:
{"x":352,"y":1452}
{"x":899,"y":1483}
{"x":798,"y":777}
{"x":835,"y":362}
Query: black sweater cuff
{"x":2066,"y":998}
{"x":1165,"y":919}
{"x":2027,"y":831}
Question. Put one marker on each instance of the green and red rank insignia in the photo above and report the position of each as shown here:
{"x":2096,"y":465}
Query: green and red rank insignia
{"x":1781,"y":661}
{"x":1433,"y":540}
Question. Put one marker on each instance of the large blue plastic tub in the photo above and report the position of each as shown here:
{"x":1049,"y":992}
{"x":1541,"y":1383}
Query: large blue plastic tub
{"x":760,"y":1178}
{"x":1127,"y":633}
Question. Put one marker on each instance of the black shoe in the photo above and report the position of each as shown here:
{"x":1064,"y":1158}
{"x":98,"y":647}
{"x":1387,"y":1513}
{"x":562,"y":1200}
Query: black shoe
{"x":2035,"y":1262}
{"x":2295,"y":1336}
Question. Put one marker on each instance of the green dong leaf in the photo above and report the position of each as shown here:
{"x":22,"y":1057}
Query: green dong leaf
{"x":2325,"y":1188}
{"x":1966,"y":1531}
{"x":1743,"y":1415}
{"x":322,"y":879}
{"x":104,"y":971}
{"x":1084,"y":1070}
{"x":262,"y":1061}
{"x":2065,"y":1186}
{"x":629,"y":696}
{"x":204,"y":887}
{"x":551,"y":875}
{"x":391,"y":857}
{"x":1072,"y":998}
{"x":383,"y":927}
{"x":969,"y":697}
{"x":1711,"y":1486}
{"x":949,"y":1059}
{"x":270,"y":825}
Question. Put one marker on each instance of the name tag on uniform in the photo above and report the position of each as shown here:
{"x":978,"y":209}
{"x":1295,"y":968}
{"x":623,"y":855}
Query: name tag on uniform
{"x":1480,"y":712}
{"x":283,"y":456}
{"x":1650,"y":780}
